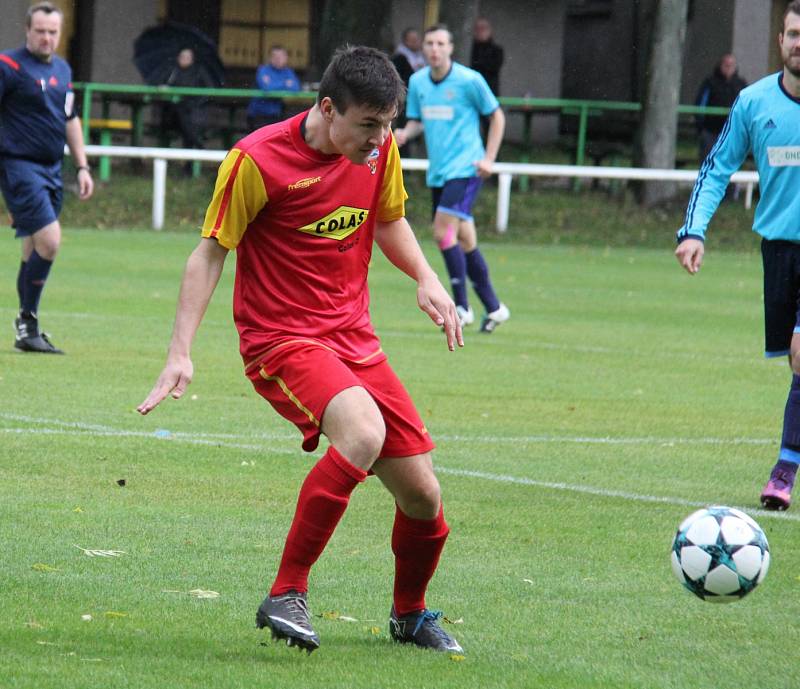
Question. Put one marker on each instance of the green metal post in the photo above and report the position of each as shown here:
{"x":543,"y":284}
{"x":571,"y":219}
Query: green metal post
{"x":580,"y":153}
{"x":105,"y":161}
{"x":524,"y":181}
{"x":86,"y":110}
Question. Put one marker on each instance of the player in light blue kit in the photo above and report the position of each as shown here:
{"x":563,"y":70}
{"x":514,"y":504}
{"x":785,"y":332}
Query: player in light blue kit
{"x":765,"y":120}
{"x":446,"y":101}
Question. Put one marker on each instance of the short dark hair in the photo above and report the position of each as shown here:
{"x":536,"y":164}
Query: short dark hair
{"x":359,"y":75}
{"x":439,"y":27}
{"x":407,"y":31}
{"x":46,"y":7}
{"x":794,"y":8}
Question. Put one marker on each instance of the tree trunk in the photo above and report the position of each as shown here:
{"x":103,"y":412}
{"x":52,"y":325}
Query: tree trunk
{"x":656,"y":140}
{"x":460,"y":15}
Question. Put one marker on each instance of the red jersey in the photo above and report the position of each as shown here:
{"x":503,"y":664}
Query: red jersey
{"x":302,"y":223}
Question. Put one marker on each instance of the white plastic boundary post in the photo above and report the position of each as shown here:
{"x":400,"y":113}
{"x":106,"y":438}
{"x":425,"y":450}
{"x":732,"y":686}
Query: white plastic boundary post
{"x":503,"y":200}
{"x":159,"y":192}
{"x":162,"y":155}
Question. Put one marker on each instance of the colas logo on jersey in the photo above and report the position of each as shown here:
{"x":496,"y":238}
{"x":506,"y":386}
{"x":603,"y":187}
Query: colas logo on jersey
{"x":339,"y":224}
{"x":372,"y":160}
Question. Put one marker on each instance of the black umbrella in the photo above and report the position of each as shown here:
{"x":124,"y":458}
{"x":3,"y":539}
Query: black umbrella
{"x":156,"y":50}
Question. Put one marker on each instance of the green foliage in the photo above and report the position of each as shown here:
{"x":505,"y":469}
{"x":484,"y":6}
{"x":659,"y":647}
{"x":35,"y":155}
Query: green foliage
{"x":571,"y":443}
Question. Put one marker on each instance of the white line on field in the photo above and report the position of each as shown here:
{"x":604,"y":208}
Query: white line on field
{"x":80,"y":429}
{"x":602,"y":492}
{"x":444,"y":437}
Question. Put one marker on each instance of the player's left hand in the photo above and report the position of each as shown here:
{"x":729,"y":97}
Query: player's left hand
{"x":85,"y":184}
{"x":434,"y":300}
{"x":484,"y":167}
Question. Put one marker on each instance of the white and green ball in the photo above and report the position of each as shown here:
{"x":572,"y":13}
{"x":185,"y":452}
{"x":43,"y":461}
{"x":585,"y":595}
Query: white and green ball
{"x":720,"y":554}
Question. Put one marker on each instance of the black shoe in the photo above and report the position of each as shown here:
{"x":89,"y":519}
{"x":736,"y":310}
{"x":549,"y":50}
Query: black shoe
{"x":288,"y":618}
{"x":29,"y":339}
{"x":422,"y":629}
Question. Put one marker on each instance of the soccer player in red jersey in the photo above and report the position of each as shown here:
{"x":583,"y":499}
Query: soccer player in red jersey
{"x":302,"y":202}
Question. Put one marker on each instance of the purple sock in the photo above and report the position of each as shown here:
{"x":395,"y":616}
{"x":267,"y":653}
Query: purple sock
{"x":35,"y":276}
{"x":457,"y":270}
{"x":478,"y":273}
{"x":790,"y":441}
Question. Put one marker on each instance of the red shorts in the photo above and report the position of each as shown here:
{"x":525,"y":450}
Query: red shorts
{"x":299,"y":379}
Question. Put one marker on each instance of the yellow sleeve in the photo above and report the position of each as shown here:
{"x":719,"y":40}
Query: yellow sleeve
{"x":239,"y":194}
{"x":392,"y":202}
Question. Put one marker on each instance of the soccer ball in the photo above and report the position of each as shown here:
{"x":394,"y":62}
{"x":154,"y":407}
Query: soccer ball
{"x":720,"y":554}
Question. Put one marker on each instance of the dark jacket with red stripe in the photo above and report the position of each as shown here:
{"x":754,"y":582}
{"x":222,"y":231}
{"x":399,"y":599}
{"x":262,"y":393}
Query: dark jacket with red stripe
{"x":36,"y":100}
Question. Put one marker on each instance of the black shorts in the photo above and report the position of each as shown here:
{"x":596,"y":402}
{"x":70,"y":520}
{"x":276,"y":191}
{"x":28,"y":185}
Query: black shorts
{"x":33,"y":193}
{"x":781,"y":294}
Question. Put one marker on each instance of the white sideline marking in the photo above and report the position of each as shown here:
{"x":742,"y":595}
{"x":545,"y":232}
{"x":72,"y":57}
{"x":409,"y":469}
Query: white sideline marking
{"x":78,"y":428}
{"x":516,"y":439}
{"x":604,"y":493}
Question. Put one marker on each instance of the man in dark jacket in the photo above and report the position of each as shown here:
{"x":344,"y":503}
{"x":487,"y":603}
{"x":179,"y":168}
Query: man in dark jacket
{"x":718,"y":90}
{"x":486,"y":57}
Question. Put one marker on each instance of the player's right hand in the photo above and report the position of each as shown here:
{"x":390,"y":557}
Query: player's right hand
{"x":174,"y":380}
{"x":690,"y":254}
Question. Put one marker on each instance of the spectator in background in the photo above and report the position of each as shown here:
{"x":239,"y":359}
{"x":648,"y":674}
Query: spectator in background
{"x":188,"y":114}
{"x":718,"y":90}
{"x":408,"y":57}
{"x":36,"y":109}
{"x":275,"y":76}
{"x":486,"y":57}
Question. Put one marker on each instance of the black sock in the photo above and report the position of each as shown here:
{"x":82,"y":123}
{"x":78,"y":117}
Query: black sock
{"x":21,"y":282}
{"x":36,"y":274}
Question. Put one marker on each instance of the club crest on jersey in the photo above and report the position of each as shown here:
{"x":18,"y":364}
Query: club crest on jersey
{"x":337,"y":225}
{"x":372,"y":160}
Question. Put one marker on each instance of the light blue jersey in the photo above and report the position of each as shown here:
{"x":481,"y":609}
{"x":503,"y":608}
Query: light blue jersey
{"x":765,"y":119}
{"x":450,"y":112}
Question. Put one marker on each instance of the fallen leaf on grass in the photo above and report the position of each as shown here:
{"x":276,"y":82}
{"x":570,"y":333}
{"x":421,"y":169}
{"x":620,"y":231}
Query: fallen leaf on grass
{"x":47,"y":643}
{"x":460,"y":620}
{"x":33,"y":624}
{"x":41,"y":567}
{"x":374,"y":630}
{"x":78,"y":509}
{"x":200,"y":593}
{"x":86,"y":618}
{"x":114,"y":613}
{"x":334,"y":615}
{"x":528,"y":581}
{"x":457,"y":658}
{"x":100,"y":553}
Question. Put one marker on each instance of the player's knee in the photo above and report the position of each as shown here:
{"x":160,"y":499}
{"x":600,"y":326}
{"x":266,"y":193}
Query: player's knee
{"x":365,"y":441}
{"x":424,"y":501}
{"x":794,"y":362}
{"x":468,"y":244}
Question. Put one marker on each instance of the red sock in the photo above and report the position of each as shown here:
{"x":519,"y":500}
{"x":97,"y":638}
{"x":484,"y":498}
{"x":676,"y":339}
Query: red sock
{"x":416,"y":544}
{"x":322,"y":501}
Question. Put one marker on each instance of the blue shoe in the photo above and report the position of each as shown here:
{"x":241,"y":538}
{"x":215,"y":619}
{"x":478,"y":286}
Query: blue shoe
{"x":422,"y":629}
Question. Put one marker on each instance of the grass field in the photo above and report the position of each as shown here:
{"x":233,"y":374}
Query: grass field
{"x":570,"y":445}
